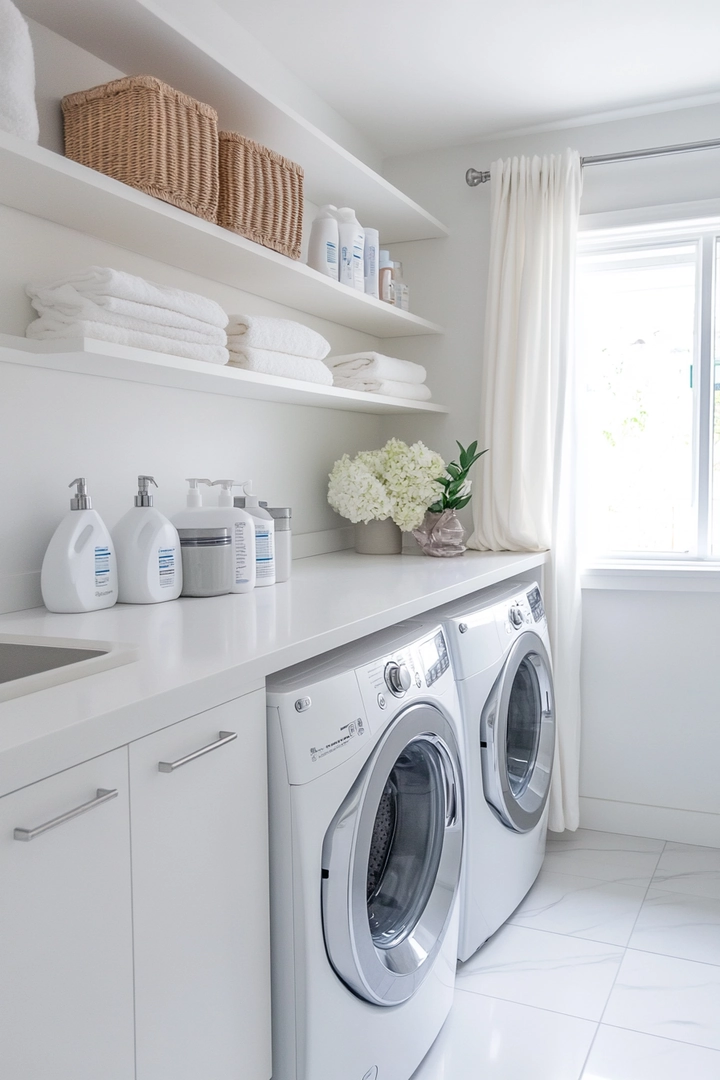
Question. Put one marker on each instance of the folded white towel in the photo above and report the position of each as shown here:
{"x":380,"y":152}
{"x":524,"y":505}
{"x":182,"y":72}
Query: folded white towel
{"x":18,"y":112}
{"x":210,"y":354}
{"x":276,"y":335}
{"x":373,"y":365}
{"x":100,"y":282}
{"x":53,"y":319}
{"x":66,"y":300}
{"x":304,"y":368}
{"x":387,"y":387}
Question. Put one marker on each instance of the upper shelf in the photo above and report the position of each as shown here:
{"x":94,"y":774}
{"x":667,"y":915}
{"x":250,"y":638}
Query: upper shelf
{"x":142,"y":37}
{"x":50,"y":186}
{"x":105,"y":359}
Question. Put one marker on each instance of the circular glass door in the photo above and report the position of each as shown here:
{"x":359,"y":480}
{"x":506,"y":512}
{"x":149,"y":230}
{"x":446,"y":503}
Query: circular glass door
{"x":391,"y":860}
{"x":517,"y":733}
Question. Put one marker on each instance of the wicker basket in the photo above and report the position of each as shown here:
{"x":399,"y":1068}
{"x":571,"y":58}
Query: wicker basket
{"x":261,"y":194}
{"x":151,"y":137}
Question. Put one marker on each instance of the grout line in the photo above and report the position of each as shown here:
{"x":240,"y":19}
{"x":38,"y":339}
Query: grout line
{"x":525,"y":1005}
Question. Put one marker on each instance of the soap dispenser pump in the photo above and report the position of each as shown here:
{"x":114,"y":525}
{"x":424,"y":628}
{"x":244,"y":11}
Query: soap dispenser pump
{"x":79,"y":572}
{"x":264,"y":535}
{"x":148,"y":552}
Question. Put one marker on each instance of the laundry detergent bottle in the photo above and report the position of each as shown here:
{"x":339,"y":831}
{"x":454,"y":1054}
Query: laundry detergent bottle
{"x":243,"y":535}
{"x":147,"y":546}
{"x":264,"y":535}
{"x":79,"y":571}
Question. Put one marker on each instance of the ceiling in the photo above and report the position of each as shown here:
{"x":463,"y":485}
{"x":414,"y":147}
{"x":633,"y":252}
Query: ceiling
{"x":418,"y":74}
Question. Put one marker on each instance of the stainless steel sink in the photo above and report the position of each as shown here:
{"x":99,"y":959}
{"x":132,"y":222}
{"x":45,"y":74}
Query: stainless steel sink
{"x":29,"y":664}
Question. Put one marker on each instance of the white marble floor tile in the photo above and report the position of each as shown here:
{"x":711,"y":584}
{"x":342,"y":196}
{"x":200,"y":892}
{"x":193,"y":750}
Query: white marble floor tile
{"x":691,"y":870}
{"x":488,"y":1039}
{"x":630,"y":860}
{"x":678,"y":925}
{"x":628,"y":1055}
{"x":564,"y":974}
{"x":661,"y":995}
{"x":581,"y":907}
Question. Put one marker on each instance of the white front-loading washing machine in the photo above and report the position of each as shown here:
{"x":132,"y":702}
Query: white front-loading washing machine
{"x":500,"y":649}
{"x":366,"y":838}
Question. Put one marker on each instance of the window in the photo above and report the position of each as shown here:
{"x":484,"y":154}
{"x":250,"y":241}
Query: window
{"x":651,"y":404}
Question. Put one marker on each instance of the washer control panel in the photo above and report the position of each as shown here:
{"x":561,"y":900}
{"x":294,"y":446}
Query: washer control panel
{"x":434,"y":657}
{"x":404,"y":676}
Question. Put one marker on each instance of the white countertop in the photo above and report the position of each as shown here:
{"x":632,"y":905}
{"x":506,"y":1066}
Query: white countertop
{"x":197,"y":653}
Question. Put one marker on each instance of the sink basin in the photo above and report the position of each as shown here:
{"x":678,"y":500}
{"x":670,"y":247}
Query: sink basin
{"x":28,"y":664}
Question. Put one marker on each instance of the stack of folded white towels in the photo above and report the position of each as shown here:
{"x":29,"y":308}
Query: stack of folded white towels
{"x":278,"y":347}
{"x":378,"y":374}
{"x":108,"y":304}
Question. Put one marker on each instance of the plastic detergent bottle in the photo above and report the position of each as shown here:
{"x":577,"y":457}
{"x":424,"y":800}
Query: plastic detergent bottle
{"x":79,"y":571}
{"x":352,"y":249}
{"x":323,"y":246}
{"x":147,"y":547}
{"x":264,"y":535}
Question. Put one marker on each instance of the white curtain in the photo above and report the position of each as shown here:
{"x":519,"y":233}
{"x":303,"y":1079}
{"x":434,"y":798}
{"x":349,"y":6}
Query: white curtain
{"x":527,"y":498}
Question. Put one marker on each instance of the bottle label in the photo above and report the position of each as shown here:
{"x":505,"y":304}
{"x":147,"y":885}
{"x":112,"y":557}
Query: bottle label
{"x":102,"y":566}
{"x":166,"y":567}
{"x":331,"y":253}
{"x":264,"y":553}
{"x":240,"y":551}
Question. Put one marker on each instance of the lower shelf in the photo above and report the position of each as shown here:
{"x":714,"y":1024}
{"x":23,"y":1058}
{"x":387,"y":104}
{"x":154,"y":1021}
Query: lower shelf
{"x":88,"y":356}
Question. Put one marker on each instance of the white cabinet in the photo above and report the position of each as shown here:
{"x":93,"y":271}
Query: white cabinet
{"x":134,"y":910}
{"x":200,"y":896}
{"x":66,"y":978}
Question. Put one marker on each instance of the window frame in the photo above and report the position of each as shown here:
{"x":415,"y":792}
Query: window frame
{"x":626,"y":231}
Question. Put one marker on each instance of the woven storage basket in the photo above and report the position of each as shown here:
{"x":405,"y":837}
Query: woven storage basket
{"x":261,"y":194}
{"x":151,"y":137}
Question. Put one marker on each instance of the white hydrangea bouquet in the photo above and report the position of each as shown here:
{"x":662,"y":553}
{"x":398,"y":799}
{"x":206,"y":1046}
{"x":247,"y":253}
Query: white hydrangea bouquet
{"x":398,"y":482}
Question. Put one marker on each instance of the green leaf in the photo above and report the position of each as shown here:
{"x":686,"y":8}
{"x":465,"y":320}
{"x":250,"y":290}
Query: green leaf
{"x":462,"y":502}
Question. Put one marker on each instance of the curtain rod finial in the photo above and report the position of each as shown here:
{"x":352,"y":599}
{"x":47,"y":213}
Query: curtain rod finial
{"x":473,"y":177}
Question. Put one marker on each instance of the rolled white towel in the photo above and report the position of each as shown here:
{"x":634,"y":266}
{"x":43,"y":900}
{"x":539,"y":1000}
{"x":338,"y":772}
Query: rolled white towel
{"x":387,"y":387}
{"x":18,"y":111}
{"x":373,"y":365}
{"x":120,"y":335}
{"x":303,"y":368}
{"x":66,"y":300}
{"x":52,"y":318}
{"x":101,"y":282}
{"x":276,"y":335}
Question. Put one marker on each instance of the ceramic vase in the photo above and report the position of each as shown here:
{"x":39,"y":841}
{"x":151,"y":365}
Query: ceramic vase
{"x":378,"y":538}
{"x":441,"y":535}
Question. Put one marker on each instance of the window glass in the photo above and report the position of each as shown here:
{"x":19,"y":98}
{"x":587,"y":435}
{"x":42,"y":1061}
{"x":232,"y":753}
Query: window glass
{"x":636,"y":337}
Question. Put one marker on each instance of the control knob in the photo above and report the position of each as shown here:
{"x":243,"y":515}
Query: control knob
{"x":516,"y":616}
{"x":398,"y":678}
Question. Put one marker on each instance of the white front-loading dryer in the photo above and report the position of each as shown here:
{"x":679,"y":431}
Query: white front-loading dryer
{"x":500,"y":649}
{"x":366,"y":838}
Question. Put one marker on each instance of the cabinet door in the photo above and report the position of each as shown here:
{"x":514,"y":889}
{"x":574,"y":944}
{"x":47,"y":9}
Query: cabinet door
{"x":200,"y":895}
{"x":66,"y":993}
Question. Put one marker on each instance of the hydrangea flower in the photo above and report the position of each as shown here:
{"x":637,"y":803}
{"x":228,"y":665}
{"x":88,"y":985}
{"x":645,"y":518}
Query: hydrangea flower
{"x":397,"y":481}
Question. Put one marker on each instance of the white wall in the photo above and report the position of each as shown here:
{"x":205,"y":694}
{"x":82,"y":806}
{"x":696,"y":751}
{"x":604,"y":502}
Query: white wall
{"x":55,"y":426}
{"x":651,"y":721}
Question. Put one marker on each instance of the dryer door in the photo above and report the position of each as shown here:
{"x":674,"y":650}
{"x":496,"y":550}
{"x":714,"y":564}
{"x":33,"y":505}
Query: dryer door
{"x":517,"y":735}
{"x":391,"y":860}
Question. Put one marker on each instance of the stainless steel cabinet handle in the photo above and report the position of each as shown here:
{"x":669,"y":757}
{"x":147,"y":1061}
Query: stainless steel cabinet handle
{"x":103,"y":795}
{"x":170,"y":766}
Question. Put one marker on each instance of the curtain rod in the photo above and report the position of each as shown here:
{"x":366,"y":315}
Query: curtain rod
{"x":473,"y":177}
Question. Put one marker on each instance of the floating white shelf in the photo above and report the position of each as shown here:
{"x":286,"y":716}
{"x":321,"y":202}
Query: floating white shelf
{"x":50,"y":186}
{"x":87,"y":356}
{"x":143,"y":37}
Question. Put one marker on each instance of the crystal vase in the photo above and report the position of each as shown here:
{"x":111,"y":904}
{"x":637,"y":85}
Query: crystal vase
{"x":441,"y":534}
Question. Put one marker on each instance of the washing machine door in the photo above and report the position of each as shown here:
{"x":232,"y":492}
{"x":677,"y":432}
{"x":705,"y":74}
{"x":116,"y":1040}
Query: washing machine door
{"x":391,"y":860}
{"x":517,"y":735}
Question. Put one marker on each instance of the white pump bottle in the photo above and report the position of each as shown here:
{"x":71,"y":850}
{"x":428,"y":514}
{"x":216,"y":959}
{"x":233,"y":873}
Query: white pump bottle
{"x":79,"y":572}
{"x":323,"y":245}
{"x":243,"y":533}
{"x":148,"y":552}
{"x":264,"y":535}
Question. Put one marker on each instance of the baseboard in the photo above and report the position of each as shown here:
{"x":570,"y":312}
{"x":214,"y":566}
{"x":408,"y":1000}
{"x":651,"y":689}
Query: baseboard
{"x":656,"y":822}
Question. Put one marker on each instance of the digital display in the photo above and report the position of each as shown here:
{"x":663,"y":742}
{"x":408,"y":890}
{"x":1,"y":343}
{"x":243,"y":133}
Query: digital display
{"x":428,"y":654}
{"x":536,"y":604}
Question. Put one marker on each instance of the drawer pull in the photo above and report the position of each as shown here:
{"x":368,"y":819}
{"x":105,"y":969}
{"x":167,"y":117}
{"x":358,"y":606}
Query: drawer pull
{"x":170,"y":766}
{"x":103,"y":795}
